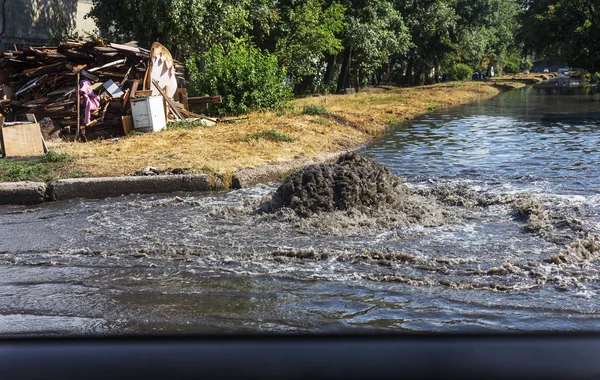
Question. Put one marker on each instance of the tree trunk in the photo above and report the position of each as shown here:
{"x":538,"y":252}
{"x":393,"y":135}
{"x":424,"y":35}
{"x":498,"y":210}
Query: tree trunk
{"x":418,"y":78}
{"x":344,"y":79}
{"x":408,"y":78}
{"x":329,"y":71}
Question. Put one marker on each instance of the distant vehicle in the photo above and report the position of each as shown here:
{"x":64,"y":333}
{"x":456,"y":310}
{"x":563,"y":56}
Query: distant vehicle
{"x":563,"y":70}
{"x":525,"y":71}
{"x":546,"y":70}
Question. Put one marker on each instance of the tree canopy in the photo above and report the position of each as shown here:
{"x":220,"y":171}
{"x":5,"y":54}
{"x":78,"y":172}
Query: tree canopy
{"x":331,"y":45}
{"x":568,"y":30}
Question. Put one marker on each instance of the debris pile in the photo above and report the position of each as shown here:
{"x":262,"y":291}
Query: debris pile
{"x":51,"y":82}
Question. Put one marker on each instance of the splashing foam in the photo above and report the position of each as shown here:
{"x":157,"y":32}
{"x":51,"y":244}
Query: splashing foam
{"x":354,"y":192}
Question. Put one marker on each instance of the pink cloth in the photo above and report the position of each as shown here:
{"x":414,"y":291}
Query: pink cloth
{"x":91,"y":100}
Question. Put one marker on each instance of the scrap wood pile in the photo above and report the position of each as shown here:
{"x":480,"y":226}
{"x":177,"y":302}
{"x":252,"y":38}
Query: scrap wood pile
{"x":51,"y":82}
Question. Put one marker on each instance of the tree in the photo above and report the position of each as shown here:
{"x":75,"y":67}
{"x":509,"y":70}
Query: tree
{"x":374,"y":31}
{"x":563,"y":29}
{"x":432,"y":27}
{"x":184,"y":26}
{"x":307,"y":33}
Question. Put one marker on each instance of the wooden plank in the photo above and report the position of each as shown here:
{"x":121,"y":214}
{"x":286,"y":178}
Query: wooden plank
{"x":125,"y":47}
{"x":2,"y":154}
{"x":21,"y":140}
{"x":31,"y":118}
{"x":169,"y":101}
{"x":205,"y":99}
{"x":190,"y":114}
{"x":181,"y":97}
{"x":114,"y":63}
{"x":143,"y":93}
{"x":78,"y":108}
{"x":134,"y":88}
{"x":127,"y":124}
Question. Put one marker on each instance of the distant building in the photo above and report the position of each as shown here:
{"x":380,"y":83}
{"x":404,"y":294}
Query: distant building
{"x":29,"y":22}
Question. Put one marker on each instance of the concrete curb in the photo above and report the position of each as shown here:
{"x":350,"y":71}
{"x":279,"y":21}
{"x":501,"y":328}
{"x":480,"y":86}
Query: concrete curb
{"x":246,"y":178}
{"x":104,"y":187}
{"x":22,"y":193}
{"x":27,"y":193}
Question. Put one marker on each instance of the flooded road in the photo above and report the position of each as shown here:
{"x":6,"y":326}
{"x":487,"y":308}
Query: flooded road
{"x":208,"y":263}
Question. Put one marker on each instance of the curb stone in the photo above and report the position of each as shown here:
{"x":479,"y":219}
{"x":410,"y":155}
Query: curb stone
{"x":104,"y":187}
{"x":22,"y":193}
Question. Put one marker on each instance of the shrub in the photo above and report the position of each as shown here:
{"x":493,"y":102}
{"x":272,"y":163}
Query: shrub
{"x":246,"y":77}
{"x":52,"y":156}
{"x":511,"y":68}
{"x":184,"y":124}
{"x":313,"y":109}
{"x":460,"y":72}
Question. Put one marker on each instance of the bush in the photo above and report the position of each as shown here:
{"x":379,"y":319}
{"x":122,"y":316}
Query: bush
{"x":313,"y":109}
{"x":183,"y":124}
{"x":460,"y":72}
{"x":52,"y":156}
{"x":511,"y":68}
{"x":246,"y":77}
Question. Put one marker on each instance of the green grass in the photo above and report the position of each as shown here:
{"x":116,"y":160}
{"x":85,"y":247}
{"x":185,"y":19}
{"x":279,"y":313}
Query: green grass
{"x":44,"y":169}
{"x":314,"y":110}
{"x":185,"y":125}
{"x":52,"y":156}
{"x":271,"y":135}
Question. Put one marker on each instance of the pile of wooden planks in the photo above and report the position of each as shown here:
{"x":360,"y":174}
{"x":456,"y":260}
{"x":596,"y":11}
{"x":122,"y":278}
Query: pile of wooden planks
{"x":44,"y":81}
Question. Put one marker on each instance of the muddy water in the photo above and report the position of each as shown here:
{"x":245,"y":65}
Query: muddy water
{"x":208,"y":263}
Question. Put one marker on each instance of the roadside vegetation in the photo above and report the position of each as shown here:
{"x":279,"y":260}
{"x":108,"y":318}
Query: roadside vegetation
{"x":308,"y":127}
{"x":404,"y":58}
{"x":51,"y":166}
{"x":260,"y":52}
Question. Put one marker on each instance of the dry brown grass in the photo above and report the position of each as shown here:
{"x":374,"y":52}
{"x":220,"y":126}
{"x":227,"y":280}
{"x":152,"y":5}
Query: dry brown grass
{"x":353,"y":121}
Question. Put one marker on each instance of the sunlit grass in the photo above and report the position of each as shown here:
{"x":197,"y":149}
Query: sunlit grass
{"x":332,"y":123}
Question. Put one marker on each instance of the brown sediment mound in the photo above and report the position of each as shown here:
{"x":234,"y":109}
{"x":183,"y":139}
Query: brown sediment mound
{"x":354,"y":191}
{"x":352,"y":183}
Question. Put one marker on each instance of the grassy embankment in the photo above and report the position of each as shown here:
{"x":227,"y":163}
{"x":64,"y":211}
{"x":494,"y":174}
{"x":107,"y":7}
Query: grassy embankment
{"x":310,"y":127}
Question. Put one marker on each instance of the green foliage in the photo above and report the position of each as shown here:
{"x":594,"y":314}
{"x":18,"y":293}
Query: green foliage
{"x":460,"y":72}
{"x":270,"y":135}
{"x":246,"y":77}
{"x":313,"y":109}
{"x":183,"y":124}
{"x":511,"y":68}
{"x":374,"y":31}
{"x":52,"y":156}
{"x":43,"y":169}
{"x":24,"y":171}
{"x":308,"y":33}
{"x":351,"y":43}
{"x":184,"y":26}
{"x":563,"y":29}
